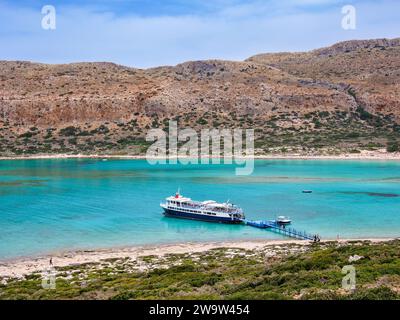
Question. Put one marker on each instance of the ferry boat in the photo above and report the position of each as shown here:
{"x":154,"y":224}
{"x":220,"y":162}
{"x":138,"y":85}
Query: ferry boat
{"x":178,"y":206}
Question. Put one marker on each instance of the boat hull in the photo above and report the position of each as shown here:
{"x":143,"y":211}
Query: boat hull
{"x":200,"y":217}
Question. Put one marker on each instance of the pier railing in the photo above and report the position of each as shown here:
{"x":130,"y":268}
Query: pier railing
{"x":281,"y":229}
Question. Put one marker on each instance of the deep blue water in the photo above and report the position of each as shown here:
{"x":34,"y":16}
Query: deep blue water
{"x":49,"y":205}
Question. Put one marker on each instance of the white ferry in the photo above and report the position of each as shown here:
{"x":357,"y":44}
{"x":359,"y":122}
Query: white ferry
{"x":180,"y":207}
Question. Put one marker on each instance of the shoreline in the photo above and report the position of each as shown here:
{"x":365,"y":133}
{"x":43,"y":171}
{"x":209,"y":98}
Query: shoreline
{"x":363,"y":155}
{"x":20,"y":267}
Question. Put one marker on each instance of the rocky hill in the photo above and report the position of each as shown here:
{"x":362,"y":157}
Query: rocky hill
{"x":344,"y":97}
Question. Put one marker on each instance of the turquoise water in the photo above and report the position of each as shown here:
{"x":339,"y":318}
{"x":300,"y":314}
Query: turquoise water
{"x":50,"y":205}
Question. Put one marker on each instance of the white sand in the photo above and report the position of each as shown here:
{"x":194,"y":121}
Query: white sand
{"x":363,"y":155}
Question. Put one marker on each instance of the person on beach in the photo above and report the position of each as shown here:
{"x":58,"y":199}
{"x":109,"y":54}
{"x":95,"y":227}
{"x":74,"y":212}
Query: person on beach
{"x":51,"y":261}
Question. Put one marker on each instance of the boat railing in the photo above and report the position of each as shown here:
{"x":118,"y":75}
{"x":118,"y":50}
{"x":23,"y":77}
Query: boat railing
{"x":202,"y":207}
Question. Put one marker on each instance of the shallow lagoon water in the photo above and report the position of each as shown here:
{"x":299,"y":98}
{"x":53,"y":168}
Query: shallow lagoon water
{"x":68,"y":204}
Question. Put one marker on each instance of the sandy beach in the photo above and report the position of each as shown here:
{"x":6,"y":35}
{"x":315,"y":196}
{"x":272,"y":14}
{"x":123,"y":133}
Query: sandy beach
{"x":18,"y":268}
{"x":363,"y":155}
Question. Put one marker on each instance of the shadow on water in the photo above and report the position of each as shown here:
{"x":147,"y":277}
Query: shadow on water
{"x":372,"y":194}
{"x":19,"y":183}
{"x":263,"y":179}
{"x":74,"y":174}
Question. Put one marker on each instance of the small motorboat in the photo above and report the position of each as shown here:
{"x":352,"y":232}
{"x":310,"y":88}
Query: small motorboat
{"x":307,"y":191}
{"x":282,"y":220}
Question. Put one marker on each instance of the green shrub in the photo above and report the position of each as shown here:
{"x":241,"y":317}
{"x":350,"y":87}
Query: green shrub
{"x":28,"y":134}
{"x":202,"y":121}
{"x":380,"y":293}
{"x":393,"y":146}
{"x":69,"y":131}
{"x":364,"y":115}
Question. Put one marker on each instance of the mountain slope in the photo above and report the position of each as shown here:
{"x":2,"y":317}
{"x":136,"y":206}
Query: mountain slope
{"x":343,"y":97}
{"x":372,"y":68}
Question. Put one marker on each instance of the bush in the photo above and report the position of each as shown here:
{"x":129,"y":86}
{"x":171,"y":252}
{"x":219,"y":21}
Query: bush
{"x":393,"y":146}
{"x":364,"y":115}
{"x":201,"y":279}
{"x":100,"y":130}
{"x":69,"y":131}
{"x":202,"y":121}
{"x":380,"y":293}
{"x":28,"y":134}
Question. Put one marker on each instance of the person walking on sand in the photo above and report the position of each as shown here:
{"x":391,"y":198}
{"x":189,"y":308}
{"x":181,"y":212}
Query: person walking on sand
{"x":51,"y":261}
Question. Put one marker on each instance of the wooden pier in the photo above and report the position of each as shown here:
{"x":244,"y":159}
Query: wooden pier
{"x":281,"y":229}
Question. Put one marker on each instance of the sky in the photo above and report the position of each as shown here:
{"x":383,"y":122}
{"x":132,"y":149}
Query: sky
{"x":145,"y":33}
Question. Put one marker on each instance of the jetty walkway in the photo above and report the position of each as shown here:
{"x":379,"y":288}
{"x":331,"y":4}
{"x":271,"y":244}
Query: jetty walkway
{"x":281,"y":229}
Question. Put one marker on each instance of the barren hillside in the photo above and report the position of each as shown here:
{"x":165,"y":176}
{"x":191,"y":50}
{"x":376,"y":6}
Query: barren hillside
{"x":345,"y":97}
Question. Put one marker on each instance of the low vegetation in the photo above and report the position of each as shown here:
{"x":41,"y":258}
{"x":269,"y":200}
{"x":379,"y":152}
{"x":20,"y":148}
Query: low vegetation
{"x":275,"y":272}
{"x":316,"y":133}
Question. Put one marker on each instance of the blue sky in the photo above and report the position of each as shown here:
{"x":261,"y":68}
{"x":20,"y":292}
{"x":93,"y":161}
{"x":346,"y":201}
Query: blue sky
{"x":144,"y":33}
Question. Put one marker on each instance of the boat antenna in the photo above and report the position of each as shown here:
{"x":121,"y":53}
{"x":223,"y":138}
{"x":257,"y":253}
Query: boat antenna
{"x":177,"y":194}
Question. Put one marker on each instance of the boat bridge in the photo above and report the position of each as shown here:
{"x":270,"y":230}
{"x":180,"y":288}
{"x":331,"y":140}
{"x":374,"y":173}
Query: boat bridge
{"x":281,"y":229}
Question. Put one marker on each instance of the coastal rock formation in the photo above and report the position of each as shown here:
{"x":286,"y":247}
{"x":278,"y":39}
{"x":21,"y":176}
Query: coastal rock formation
{"x":344,"y":96}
